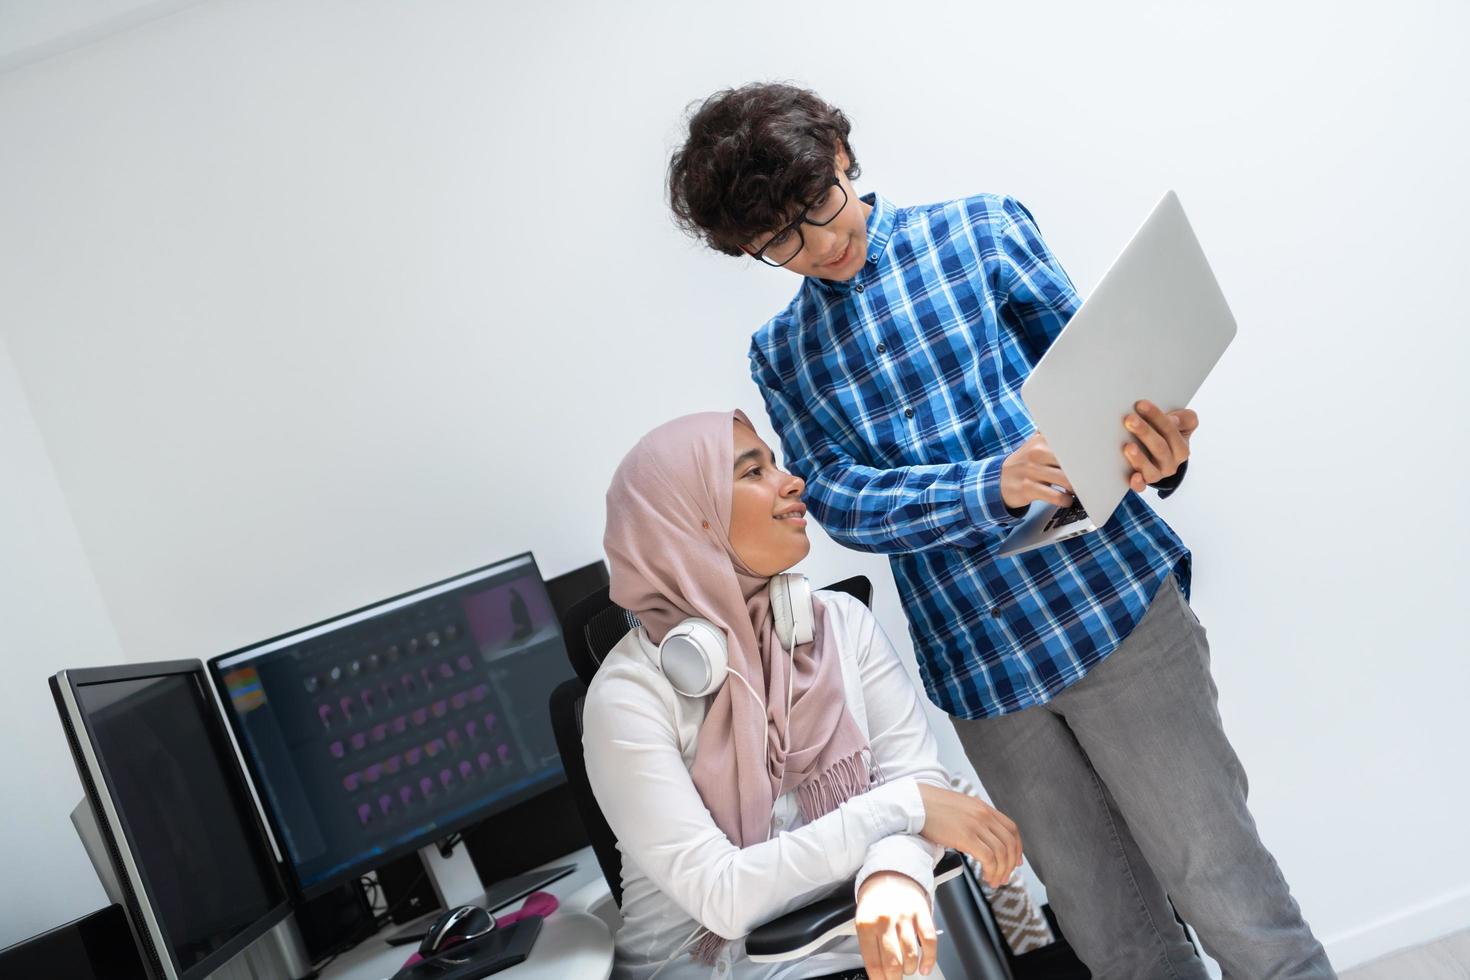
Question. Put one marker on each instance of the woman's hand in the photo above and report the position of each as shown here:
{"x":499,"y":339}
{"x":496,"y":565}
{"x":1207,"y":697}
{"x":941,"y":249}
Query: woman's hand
{"x":969,"y":824}
{"x":895,"y":927}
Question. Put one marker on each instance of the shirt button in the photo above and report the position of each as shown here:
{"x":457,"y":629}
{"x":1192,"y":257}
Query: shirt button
{"x":858,"y":287}
{"x":882,"y":348}
{"x":908,"y":413}
{"x":873,"y":257}
{"x":995,"y":612}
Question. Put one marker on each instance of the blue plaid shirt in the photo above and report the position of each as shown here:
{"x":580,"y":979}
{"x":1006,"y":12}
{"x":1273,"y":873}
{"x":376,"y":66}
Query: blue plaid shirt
{"x":897,"y":396}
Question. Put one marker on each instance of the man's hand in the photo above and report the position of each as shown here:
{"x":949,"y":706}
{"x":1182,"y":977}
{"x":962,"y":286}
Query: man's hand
{"x":1033,"y":473}
{"x":895,"y":927}
{"x":1160,"y":443}
{"x":969,"y":824}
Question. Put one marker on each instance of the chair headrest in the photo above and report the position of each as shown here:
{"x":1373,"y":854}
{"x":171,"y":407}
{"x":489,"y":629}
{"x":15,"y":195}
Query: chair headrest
{"x":593,"y":626}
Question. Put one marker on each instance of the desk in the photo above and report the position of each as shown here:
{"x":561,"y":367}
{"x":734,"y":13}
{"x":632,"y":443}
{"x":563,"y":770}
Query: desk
{"x":574,"y":944}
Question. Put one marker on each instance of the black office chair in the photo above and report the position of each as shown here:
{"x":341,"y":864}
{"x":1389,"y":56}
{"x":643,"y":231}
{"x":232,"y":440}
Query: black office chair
{"x":592,"y":627}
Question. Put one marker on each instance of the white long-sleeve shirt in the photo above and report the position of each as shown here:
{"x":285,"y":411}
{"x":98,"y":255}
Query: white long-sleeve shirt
{"x":680,"y":871}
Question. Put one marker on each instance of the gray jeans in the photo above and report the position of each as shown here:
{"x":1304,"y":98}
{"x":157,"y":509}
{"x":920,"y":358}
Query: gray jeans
{"x":1127,"y":793}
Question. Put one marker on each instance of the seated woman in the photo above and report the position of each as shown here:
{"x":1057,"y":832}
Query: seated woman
{"x":799,"y":771}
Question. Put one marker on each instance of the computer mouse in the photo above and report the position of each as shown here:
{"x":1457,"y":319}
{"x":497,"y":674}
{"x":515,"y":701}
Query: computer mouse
{"x":455,"y":926}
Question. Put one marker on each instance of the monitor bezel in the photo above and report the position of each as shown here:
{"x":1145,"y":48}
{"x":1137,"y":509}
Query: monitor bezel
{"x":359,"y":868}
{"x":157,"y":954}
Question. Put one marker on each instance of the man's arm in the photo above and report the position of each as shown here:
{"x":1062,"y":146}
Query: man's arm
{"x":1039,"y":301}
{"x":890,"y":511}
{"x":1038,"y":298}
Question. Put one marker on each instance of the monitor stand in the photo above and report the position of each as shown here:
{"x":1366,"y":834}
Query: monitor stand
{"x":452,"y":876}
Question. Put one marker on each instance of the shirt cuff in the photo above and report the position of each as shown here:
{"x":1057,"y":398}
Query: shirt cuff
{"x":1169,"y":484}
{"x":894,"y":808}
{"x":983,"y":501}
{"x":913,"y":857}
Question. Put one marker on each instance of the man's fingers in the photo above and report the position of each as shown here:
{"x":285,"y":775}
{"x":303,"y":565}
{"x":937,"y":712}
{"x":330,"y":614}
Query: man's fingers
{"x":1142,"y":464}
{"x":1149,"y":411}
{"x":1178,"y":446}
{"x":1049,"y":474}
{"x":1042,"y":456}
{"x":1171,"y":426}
{"x":1150,"y":426}
{"x":1037,"y":450}
{"x":1186,"y":420}
{"x":1049,"y":493}
{"x":1151,"y":439}
{"x":1168,"y":427}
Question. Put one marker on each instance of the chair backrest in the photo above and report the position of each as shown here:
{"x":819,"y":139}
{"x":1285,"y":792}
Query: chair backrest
{"x":593,"y":627}
{"x":858,"y":587}
{"x":566,"y":725}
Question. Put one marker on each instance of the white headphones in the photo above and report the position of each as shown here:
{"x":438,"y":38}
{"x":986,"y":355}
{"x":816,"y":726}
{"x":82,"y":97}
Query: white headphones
{"x":693,"y":655}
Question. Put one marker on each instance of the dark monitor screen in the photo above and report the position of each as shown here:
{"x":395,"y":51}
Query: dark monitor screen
{"x":381,"y":730}
{"x":190,"y":827}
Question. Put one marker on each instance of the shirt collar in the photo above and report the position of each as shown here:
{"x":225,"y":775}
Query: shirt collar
{"x":880,"y":224}
{"x":880,"y":229}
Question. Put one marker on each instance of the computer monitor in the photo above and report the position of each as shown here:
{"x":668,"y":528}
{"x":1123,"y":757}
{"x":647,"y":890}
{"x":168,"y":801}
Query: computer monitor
{"x":182,"y":846}
{"x":382,"y":730}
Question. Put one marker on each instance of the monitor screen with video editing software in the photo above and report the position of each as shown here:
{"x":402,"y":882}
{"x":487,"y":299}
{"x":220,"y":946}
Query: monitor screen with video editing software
{"x":382,"y":730}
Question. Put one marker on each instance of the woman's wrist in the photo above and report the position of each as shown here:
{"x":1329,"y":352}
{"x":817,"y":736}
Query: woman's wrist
{"x":877,"y":878}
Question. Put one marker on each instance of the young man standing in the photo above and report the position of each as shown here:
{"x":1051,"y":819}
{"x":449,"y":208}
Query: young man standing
{"x":1076,"y":675}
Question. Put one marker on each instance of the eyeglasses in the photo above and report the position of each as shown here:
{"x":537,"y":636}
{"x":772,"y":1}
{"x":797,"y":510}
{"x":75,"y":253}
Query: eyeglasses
{"x":784,"y":245}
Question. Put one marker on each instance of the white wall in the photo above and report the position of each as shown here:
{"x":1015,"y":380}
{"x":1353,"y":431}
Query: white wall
{"x":31,"y":30}
{"x":316,"y":302}
{"x":51,"y":618}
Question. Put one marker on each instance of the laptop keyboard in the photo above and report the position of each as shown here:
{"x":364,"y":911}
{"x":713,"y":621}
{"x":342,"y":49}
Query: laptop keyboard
{"x":1067,"y":515}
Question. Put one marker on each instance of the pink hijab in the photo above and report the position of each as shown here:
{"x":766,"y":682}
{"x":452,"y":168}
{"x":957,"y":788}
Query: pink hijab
{"x":668,"y":547}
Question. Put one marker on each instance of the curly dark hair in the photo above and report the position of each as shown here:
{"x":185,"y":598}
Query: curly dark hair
{"x":754,"y":155}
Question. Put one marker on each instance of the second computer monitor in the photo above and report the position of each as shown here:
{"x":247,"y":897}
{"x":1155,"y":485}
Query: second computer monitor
{"x":177,"y":839}
{"x":382,"y":730}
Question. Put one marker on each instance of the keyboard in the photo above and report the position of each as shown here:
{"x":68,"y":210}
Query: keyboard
{"x":1067,"y":515}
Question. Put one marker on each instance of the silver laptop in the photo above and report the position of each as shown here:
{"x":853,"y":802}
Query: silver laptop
{"x":1153,"y":328}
